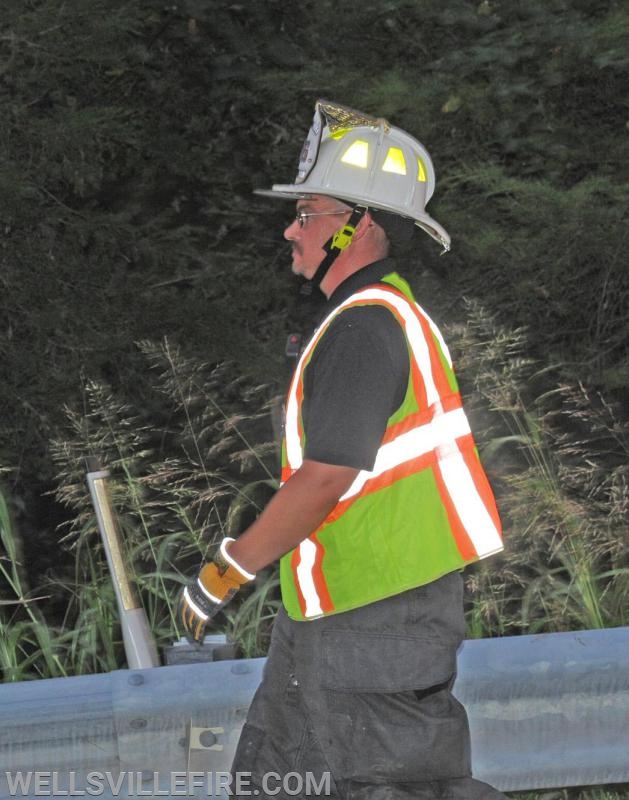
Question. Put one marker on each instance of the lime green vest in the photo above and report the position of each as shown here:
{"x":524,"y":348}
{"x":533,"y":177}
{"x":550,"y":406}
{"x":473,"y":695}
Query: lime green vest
{"x":424,"y":510}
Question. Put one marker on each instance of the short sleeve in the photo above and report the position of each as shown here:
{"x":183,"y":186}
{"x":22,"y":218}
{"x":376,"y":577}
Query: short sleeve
{"x":355,"y":381}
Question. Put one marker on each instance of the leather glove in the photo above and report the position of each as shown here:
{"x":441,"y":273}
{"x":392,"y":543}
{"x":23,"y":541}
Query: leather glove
{"x":217,"y":583}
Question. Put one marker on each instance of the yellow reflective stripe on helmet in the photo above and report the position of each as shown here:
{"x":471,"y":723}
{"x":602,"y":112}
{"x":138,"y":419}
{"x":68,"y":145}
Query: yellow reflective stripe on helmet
{"x":340,"y":133}
{"x":395,"y":161}
{"x":357,"y":154}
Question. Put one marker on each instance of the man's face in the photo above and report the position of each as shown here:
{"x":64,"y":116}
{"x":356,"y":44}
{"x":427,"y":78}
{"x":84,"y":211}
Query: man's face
{"x":308,"y":236}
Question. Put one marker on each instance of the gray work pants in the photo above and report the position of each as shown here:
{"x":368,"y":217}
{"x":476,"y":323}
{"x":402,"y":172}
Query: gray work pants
{"x":358,"y":705}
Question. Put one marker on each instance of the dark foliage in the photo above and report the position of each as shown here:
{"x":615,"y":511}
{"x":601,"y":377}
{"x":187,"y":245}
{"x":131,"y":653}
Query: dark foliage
{"x":132,"y":134}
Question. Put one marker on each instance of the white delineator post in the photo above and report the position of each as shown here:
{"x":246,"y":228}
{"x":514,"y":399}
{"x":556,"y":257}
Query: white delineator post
{"x":138,"y":640}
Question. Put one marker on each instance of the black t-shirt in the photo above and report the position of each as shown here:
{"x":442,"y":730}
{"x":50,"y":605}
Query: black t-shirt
{"x":356,"y":379}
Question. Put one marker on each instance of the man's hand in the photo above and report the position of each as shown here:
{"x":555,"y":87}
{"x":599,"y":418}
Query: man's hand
{"x":215,"y":586}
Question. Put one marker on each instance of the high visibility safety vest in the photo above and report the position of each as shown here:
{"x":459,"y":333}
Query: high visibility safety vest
{"x":426,"y":507}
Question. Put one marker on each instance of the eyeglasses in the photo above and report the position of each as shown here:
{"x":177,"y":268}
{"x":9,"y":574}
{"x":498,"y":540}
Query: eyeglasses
{"x":302,"y":216}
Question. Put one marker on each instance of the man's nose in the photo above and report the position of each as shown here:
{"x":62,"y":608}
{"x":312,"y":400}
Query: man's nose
{"x":292,"y":230}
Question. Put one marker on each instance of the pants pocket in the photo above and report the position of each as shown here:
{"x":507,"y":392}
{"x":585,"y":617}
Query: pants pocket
{"x":364,"y":661}
{"x":409,"y":736}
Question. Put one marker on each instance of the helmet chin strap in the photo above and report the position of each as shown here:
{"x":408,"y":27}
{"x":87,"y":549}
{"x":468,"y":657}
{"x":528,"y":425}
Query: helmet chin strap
{"x":335,"y":245}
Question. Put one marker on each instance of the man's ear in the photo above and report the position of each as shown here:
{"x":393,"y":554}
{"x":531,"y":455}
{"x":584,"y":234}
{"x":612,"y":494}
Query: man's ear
{"x":366,"y":222}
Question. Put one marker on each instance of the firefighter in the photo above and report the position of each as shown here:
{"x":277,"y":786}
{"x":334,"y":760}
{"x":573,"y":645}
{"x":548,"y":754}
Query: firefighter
{"x":383,"y":500}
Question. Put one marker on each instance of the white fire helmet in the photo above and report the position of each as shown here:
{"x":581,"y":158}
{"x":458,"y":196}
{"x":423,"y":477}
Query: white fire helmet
{"x":364,"y":160}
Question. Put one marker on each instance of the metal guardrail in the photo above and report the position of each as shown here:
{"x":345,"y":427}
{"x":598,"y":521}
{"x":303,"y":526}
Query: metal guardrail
{"x":550,"y":710}
{"x":545,"y":711}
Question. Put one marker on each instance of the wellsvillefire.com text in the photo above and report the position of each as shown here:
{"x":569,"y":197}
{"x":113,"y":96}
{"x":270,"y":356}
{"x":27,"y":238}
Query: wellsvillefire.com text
{"x":171,"y":784}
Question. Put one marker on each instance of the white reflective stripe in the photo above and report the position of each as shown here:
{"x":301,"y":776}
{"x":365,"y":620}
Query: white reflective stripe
{"x":208,"y":594}
{"x":469,"y":505}
{"x":414,"y":333}
{"x":439,"y":434}
{"x":437,"y":334}
{"x":291,"y":425}
{"x":249,"y":576}
{"x":307,"y":554}
{"x":294,"y":452}
{"x":194,"y":606}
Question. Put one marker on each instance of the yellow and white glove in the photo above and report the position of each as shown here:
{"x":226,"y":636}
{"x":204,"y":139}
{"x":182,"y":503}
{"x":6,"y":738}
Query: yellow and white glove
{"x":218,"y":582}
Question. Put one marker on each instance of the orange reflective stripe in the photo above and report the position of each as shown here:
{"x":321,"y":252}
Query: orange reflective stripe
{"x":300,"y":398}
{"x":439,"y":376}
{"x":481,"y":483}
{"x":312,"y":590}
{"x":388,"y":478}
{"x":472,"y":523}
{"x":382,"y":481}
{"x":319,"y":578}
{"x":419,"y":387}
{"x":417,"y":379}
{"x":460,"y":535}
{"x":450,"y":403}
{"x":294,"y":563}
{"x":436,"y":437}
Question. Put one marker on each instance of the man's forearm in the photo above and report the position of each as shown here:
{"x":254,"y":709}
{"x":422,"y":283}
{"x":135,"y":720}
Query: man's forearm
{"x":294,"y":512}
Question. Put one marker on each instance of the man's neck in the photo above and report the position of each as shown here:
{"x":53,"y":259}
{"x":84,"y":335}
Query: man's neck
{"x":346,"y":265}
{"x":371,"y":273}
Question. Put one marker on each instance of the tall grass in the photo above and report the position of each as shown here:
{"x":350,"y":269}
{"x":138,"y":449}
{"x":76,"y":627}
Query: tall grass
{"x":558,"y":457}
{"x":185,"y":471}
{"x":188,"y":469}
{"x":28,"y":645}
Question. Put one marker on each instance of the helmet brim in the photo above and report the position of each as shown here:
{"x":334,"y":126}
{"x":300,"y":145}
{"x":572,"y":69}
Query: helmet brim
{"x":284,"y":195}
{"x":293,"y":192}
